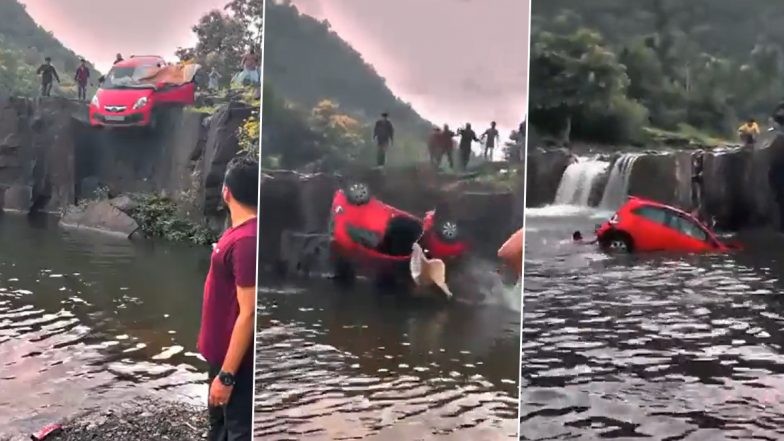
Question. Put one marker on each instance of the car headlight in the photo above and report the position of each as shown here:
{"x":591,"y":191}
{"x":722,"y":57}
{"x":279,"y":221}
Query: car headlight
{"x":615,"y":219}
{"x":95,"y":102}
{"x":141,"y":102}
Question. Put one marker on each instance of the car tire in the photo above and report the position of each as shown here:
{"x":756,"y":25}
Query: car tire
{"x":619,"y":242}
{"x":357,"y":193}
{"x":447,"y":230}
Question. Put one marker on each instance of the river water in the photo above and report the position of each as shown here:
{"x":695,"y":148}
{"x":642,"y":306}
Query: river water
{"x":89,"y":321}
{"x":336,"y":364}
{"x":659,"y":347}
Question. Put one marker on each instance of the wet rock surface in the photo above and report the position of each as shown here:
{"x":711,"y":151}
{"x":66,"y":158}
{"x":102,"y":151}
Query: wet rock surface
{"x":101,"y":215}
{"x":545,"y":168}
{"x":144,"y":422}
{"x":50,"y":159}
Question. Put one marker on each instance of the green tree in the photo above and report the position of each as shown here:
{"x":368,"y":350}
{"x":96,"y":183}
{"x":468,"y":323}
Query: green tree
{"x":571,"y":73}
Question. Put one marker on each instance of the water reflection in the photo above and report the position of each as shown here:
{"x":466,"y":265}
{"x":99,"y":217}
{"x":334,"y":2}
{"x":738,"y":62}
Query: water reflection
{"x":666,"y":347}
{"x":335,"y":364}
{"x":88,"y":321}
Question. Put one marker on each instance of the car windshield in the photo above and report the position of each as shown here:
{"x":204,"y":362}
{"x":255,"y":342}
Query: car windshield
{"x":129,"y":77}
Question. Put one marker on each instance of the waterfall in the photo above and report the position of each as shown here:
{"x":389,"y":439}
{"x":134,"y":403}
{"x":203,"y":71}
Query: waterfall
{"x":617,"y":189}
{"x":578,"y":180}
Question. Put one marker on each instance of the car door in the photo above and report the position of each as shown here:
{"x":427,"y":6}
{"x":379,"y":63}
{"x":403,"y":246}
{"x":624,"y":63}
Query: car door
{"x":690,"y":235}
{"x":650,"y":231}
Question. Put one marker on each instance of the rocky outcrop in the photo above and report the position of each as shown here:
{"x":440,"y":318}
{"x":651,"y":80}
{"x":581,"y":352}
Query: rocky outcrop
{"x":50,"y":159}
{"x":488,"y":212}
{"x":545,"y":168}
{"x":103,"y":216}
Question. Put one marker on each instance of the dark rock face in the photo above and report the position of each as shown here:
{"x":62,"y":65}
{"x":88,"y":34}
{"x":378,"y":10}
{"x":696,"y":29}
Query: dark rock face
{"x":36,"y":154}
{"x":295,"y":207}
{"x":545,"y":168}
{"x":50,"y":158}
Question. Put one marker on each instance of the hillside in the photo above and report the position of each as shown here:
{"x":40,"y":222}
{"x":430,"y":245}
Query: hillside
{"x":633,"y":72}
{"x":306,"y":62}
{"x":23,"y":46}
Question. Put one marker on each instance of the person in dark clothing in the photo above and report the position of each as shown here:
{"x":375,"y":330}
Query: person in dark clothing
{"x":490,"y":138}
{"x":47,"y":72}
{"x":227,"y":321}
{"x":384,"y":135}
{"x":447,"y":145}
{"x":118,"y":59}
{"x":81,"y":77}
{"x":467,"y":135}
{"x":697,"y":166}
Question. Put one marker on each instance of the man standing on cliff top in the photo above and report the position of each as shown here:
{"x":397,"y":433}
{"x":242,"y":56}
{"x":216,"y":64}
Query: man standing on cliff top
{"x":48,"y":73}
{"x":228,"y":312}
{"x":81,"y":77}
{"x":384,"y":135}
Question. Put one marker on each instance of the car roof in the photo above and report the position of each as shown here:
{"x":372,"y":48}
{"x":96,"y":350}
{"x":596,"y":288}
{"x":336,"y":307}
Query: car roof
{"x":140,"y":61}
{"x":636,"y":200}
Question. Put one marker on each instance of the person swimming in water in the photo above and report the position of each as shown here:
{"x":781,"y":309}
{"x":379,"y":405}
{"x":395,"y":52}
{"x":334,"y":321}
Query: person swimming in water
{"x":577,"y":237}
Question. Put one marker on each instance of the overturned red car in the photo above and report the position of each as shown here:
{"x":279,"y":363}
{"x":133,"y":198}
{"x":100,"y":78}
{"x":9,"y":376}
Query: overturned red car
{"x":135,"y":90}
{"x":368,"y":236}
{"x":644,"y":225}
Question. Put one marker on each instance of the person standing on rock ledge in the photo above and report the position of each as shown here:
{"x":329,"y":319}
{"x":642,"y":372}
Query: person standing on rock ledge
{"x":47,"y":72}
{"x":81,"y":77}
{"x":228,"y":312}
{"x":384,"y":136}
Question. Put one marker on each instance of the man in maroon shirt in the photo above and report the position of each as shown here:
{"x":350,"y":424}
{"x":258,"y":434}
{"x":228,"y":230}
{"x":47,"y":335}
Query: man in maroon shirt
{"x":227,"y":320}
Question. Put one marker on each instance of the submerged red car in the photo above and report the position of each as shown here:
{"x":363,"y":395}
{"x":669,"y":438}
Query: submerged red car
{"x":371,"y":237}
{"x":645,"y":225}
{"x":135,"y":90}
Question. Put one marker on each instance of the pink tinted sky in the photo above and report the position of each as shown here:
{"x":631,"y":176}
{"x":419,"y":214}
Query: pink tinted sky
{"x":98,"y":29}
{"x":454,"y":60}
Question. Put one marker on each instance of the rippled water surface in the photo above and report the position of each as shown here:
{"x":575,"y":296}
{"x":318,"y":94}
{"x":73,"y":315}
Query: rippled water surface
{"x":89,"y":321}
{"x":358,"y":364}
{"x":659,"y":347}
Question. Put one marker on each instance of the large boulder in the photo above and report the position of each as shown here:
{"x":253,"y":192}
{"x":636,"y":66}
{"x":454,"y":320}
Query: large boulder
{"x":100,"y":216}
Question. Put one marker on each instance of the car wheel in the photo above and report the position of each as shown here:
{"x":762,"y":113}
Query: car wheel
{"x":448,"y":230}
{"x":619,"y":242}
{"x":357,"y":193}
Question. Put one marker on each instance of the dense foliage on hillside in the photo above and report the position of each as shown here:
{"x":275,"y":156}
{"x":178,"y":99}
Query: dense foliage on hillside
{"x":607,"y":70}
{"x":23,"y":47}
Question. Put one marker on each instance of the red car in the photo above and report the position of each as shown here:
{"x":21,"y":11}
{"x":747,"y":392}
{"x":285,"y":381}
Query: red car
{"x":369,"y":236}
{"x":645,"y":225}
{"x":134,"y":91}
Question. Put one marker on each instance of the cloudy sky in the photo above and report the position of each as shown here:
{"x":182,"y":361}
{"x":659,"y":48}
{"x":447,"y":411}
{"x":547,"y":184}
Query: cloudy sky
{"x":454,"y":60}
{"x":98,"y":30}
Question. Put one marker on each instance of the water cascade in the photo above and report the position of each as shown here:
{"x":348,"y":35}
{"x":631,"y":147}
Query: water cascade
{"x":578,"y":180}
{"x":617,"y":189}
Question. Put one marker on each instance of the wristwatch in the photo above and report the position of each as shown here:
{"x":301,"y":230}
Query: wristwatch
{"x":226,"y":378}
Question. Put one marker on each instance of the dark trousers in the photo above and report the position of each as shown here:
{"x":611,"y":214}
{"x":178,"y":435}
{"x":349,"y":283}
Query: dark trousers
{"x":381,"y":154}
{"x":46,"y":89}
{"x":465,"y":155}
{"x":232,"y":422}
{"x":83,"y":92}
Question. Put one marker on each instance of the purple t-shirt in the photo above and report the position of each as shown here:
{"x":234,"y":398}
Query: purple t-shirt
{"x":233,"y":263}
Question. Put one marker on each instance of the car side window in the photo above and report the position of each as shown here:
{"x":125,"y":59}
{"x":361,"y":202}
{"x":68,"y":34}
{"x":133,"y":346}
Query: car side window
{"x":653,"y":214}
{"x":688,"y":227}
